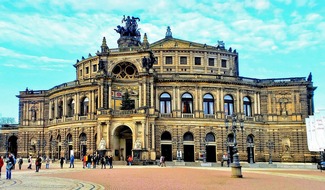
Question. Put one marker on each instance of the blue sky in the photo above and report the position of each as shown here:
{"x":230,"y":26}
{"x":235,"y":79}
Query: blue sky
{"x":41,"y":40}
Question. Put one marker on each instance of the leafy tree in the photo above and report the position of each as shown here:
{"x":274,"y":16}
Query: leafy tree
{"x":7,"y":120}
{"x":127,"y":103}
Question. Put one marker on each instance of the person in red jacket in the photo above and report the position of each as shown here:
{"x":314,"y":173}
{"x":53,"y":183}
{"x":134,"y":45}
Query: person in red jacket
{"x":1,"y":164}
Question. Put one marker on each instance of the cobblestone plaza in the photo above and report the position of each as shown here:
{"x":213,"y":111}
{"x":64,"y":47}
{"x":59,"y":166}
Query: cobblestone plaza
{"x":170,"y":177}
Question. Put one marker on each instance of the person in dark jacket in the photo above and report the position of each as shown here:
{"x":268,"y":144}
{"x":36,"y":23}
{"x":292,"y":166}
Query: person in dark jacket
{"x":38,"y":163}
{"x":61,"y":161}
{"x":110,"y":160}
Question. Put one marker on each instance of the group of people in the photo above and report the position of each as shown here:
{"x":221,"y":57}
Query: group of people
{"x":90,"y":161}
{"x":38,"y":163}
{"x":10,"y":161}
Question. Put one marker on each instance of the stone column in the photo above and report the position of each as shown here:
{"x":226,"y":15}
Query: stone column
{"x":140,"y":94}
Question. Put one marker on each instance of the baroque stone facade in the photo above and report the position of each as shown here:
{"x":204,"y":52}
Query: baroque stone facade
{"x":181,"y":92}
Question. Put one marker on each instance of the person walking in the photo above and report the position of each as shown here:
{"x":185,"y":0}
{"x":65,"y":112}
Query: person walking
{"x":38,"y":163}
{"x":107,"y":160}
{"x":130,"y":160}
{"x":89,"y":161}
{"x":61,"y":162}
{"x":163,"y":162}
{"x":110,"y":161}
{"x":30,"y":161}
{"x":1,"y":164}
{"x":103,"y":162}
{"x":8,"y":169}
{"x":20,"y":162}
{"x":71,"y":161}
{"x":84,"y":161}
{"x":47,"y":163}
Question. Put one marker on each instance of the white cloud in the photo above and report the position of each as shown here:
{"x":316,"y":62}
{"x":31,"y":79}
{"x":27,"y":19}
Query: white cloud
{"x":258,"y":4}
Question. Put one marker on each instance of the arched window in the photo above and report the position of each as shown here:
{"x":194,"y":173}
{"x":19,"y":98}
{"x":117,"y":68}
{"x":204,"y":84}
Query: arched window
{"x":210,"y":137}
{"x":188,"y":137}
{"x":166,"y":136}
{"x":187,"y":103}
{"x":69,"y":138}
{"x":229,"y":105}
{"x":84,"y":106}
{"x":247,"y":107}
{"x":230,"y":138}
{"x":165,"y":105}
{"x":59,"y":138}
{"x":60,"y":109}
{"x":70,"y":107}
{"x":250,"y":139}
{"x":208,"y":104}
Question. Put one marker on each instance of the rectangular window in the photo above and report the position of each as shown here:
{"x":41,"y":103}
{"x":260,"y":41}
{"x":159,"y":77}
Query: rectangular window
{"x":197,"y":61}
{"x":224,"y":63}
{"x":94,"y":68}
{"x":211,"y":61}
{"x":169,"y":60}
{"x":183,"y":61}
{"x":80,"y":72}
{"x":87,"y":70}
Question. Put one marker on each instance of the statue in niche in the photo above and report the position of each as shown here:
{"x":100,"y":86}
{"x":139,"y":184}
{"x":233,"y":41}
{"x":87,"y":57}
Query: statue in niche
{"x":286,"y":145}
{"x":102,"y":144}
{"x":283,"y":106}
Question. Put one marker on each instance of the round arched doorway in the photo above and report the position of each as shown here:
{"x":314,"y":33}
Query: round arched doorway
{"x":122,"y":142}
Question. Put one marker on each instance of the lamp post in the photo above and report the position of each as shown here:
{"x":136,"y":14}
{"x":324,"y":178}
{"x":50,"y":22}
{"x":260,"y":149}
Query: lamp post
{"x":270,"y":145}
{"x":235,"y":167}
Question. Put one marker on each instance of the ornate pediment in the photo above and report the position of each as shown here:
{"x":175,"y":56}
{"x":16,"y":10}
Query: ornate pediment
{"x":177,"y":43}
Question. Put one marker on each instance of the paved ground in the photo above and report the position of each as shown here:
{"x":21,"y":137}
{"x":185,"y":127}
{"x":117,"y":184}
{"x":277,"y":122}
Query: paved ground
{"x":154,"y":177}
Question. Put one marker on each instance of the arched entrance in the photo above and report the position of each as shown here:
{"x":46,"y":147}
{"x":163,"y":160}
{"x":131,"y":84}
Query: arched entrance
{"x":83,"y":145}
{"x":250,"y":148}
{"x":12,"y":145}
{"x":166,"y":145}
{"x":122,"y":142}
{"x":188,"y":141}
{"x":210,"y":148}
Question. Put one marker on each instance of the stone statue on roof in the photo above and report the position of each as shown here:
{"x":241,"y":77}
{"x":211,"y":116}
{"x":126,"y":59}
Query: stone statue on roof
{"x":129,"y":34}
{"x":130,"y":28}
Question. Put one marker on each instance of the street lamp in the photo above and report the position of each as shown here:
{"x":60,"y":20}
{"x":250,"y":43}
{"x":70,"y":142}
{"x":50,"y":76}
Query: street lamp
{"x":235,"y":167}
{"x":270,"y":145}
